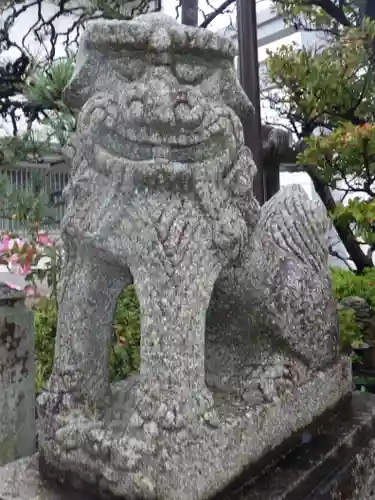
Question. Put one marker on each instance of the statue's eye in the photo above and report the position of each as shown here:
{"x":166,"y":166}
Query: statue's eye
{"x":189,"y":73}
{"x":129,"y":67}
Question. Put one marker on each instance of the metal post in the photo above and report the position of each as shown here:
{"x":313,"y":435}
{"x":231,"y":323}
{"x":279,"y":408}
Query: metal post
{"x":272,"y":178}
{"x":189,"y":12}
{"x":249,"y":78}
{"x":370,"y":9}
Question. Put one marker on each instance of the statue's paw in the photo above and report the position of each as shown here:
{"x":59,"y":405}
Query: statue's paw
{"x":173,"y":411}
{"x":267,"y":383}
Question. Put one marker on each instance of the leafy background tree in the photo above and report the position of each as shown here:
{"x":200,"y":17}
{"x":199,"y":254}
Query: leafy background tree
{"x":326,"y":97}
{"x":324,"y":92}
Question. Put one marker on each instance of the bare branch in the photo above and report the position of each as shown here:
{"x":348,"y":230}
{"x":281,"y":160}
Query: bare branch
{"x":178,"y":8}
{"x":47,"y":33}
{"x":335,"y":11}
{"x":340,"y":257}
{"x":221,"y":9}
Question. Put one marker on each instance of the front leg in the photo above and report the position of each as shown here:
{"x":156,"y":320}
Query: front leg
{"x":172,"y":386}
{"x":87,"y":303}
{"x":174,"y":269}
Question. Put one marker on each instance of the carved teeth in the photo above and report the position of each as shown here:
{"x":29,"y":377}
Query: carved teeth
{"x":160,"y":40}
{"x":160,"y":152}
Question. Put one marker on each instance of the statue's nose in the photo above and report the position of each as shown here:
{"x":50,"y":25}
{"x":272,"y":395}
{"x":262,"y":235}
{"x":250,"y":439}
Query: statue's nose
{"x":187,"y":108}
{"x":182,"y":97}
{"x":173,"y":105}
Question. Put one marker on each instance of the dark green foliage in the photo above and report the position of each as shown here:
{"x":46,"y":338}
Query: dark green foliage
{"x":124,"y":354}
{"x":350,"y":333}
{"x":349,"y":284}
{"x":45,"y":332}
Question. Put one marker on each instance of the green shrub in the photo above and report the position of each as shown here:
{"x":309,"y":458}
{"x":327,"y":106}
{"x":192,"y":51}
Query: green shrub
{"x":348,"y":284}
{"x":45,"y":318}
{"x":124,"y":355}
{"x":350,"y":332}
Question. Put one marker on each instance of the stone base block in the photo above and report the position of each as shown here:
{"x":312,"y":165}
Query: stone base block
{"x":121,"y":460}
{"x":21,"y":480}
{"x":338,"y":462}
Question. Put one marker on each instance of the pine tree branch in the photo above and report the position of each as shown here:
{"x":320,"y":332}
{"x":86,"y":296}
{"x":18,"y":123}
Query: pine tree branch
{"x":47,"y":32}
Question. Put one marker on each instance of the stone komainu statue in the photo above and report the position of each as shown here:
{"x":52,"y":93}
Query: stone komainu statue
{"x":238,"y":328}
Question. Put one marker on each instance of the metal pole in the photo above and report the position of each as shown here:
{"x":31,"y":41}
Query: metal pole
{"x":249,"y":78}
{"x":370,"y":9}
{"x":189,"y":12}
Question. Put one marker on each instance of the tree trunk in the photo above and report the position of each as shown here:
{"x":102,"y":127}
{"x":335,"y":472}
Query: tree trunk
{"x":360,"y":259}
{"x":189,"y":12}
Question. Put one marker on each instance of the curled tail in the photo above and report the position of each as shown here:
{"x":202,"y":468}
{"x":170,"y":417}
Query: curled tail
{"x":297,"y":225}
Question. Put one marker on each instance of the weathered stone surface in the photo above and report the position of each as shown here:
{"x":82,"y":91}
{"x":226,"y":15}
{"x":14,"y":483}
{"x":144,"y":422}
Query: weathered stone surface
{"x":17,"y":377}
{"x":272,"y":320}
{"x":20,"y":480}
{"x":161,"y":193}
{"x":195,"y":461}
{"x":338,"y":460}
{"x":337,"y":463}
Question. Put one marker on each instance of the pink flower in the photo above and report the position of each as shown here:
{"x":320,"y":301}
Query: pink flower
{"x":11,"y":242}
{"x":13,"y":260}
{"x":16,"y":266}
{"x":13,"y":286}
{"x":4,"y":243}
{"x":17,"y":241}
{"x":44,"y":239}
{"x":31,"y":291}
{"x":26,"y":269}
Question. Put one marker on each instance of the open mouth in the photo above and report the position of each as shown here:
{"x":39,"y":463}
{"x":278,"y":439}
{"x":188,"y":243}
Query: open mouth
{"x":142,"y":144}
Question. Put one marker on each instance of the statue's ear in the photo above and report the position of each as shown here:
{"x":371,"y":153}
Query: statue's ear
{"x":233,"y":94}
{"x":84,"y":82}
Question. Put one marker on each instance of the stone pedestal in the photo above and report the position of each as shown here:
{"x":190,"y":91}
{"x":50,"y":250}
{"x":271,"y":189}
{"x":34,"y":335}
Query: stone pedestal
{"x":17,"y":377}
{"x":21,"y":480}
{"x":199,"y":459}
{"x":333,"y":459}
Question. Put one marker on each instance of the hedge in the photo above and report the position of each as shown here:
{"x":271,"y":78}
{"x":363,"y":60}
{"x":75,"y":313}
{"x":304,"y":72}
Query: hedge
{"x":124,"y":356}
